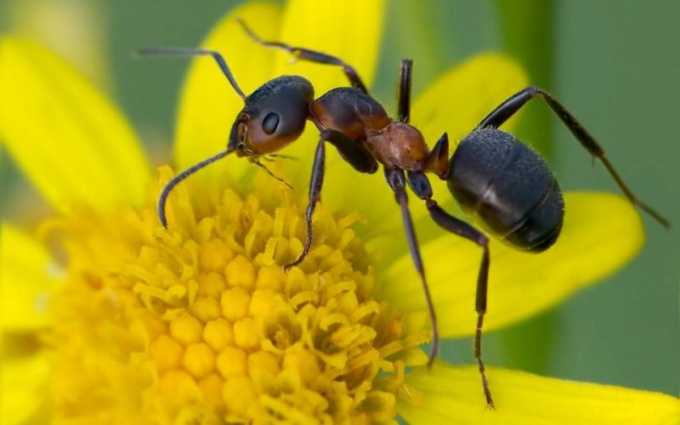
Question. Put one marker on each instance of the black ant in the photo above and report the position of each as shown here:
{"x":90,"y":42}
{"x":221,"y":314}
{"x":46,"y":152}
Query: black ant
{"x":495,"y":178}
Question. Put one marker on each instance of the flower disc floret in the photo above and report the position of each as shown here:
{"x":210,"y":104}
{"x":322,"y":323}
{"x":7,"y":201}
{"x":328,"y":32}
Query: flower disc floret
{"x":198,"y":323}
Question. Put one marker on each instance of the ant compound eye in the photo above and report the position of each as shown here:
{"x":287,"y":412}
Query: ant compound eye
{"x":270,"y":122}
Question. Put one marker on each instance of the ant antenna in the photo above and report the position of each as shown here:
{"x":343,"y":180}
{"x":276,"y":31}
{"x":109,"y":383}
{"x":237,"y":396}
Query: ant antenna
{"x":179,"y":51}
{"x":181,"y":176}
{"x":261,"y":165}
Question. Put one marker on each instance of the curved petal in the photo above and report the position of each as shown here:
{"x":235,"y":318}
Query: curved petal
{"x":350,"y":30}
{"x":601,"y":233}
{"x":208,"y":105}
{"x":69,"y":140}
{"x":27,"y":276}
{"x":75,"y":31}
{"x":24,"y":389}
{"x":453,"y":395}
{"x":337,"y":29}
{"x":463,"y":96}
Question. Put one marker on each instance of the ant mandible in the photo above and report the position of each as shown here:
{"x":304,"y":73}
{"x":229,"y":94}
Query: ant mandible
{"x":494,"y":177}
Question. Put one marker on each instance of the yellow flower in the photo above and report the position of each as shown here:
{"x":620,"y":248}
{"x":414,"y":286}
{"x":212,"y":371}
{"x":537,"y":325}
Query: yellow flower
{"x":123,"y":321}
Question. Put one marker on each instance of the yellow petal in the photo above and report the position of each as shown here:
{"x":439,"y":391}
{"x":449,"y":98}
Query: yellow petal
{"x":601,"y":233}
{"x":463,"y":96}
{"x":68,"y":139}
{"x":24,"y":389}
{"x":27,"y":276}
{"x":75,"y":30}
{"x":351,"y":31}
{"x":453,"y":395}
{"x":208,"y":106}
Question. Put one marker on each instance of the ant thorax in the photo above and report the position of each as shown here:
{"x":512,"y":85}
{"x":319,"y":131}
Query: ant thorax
{"x":398,"y":145}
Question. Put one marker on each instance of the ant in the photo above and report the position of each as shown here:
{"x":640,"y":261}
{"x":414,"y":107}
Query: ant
{"x":495,"y":178}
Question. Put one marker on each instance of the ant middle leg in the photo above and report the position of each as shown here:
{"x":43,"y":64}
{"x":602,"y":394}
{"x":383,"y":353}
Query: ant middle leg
{"x":508,"y":108}
{"x":421,"y":187}
{"x":404,"y":111}
{"x":312,"y":56}
{"x":397,"y":181}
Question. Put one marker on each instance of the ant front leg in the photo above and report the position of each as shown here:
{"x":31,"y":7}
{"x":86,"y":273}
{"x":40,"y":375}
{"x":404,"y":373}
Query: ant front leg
{"x":508,"y":108}
{"x":315,"y":185}
{"x":421,"y":187}
{"x":352,"y":151}
{"x":463,"y":229}
{"x":312,"y":56}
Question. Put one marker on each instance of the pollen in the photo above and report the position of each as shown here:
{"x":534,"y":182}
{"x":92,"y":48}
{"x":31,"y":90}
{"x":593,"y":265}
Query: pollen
{"x":198,"y":323}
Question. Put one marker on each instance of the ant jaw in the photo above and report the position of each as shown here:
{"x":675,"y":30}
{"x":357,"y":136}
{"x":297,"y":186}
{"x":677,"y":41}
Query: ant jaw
{"x":238,"y":135}
{"x":242,"y":151}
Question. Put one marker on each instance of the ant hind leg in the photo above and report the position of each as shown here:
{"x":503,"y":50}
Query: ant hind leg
{"x":421,"y":187}
{"x":515,"y":102}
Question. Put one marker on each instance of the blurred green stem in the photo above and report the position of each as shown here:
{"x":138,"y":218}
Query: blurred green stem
{"x":527,"y":27}
{"x":416,"y":32}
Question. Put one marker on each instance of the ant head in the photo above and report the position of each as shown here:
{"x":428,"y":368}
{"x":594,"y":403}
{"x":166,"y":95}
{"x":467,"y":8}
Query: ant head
{"x":274,"y":116}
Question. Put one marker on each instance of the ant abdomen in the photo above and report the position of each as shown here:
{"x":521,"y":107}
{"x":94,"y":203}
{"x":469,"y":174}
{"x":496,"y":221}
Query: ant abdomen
{"x":508,"y":188}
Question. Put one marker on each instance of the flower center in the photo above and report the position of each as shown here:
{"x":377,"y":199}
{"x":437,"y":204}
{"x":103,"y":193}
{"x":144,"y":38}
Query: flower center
{"x":198,"y":323}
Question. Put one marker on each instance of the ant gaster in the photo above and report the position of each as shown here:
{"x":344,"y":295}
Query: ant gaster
{"x":506,"y":186}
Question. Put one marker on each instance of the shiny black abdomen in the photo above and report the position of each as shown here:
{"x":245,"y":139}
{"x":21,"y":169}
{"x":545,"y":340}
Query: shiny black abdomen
{"x":509,"y":188}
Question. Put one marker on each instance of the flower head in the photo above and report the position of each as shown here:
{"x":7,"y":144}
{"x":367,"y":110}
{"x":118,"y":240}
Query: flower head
{"x":198,"y":322}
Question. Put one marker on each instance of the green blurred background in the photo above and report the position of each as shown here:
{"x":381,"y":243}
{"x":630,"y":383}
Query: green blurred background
{"x":614,"y":63}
